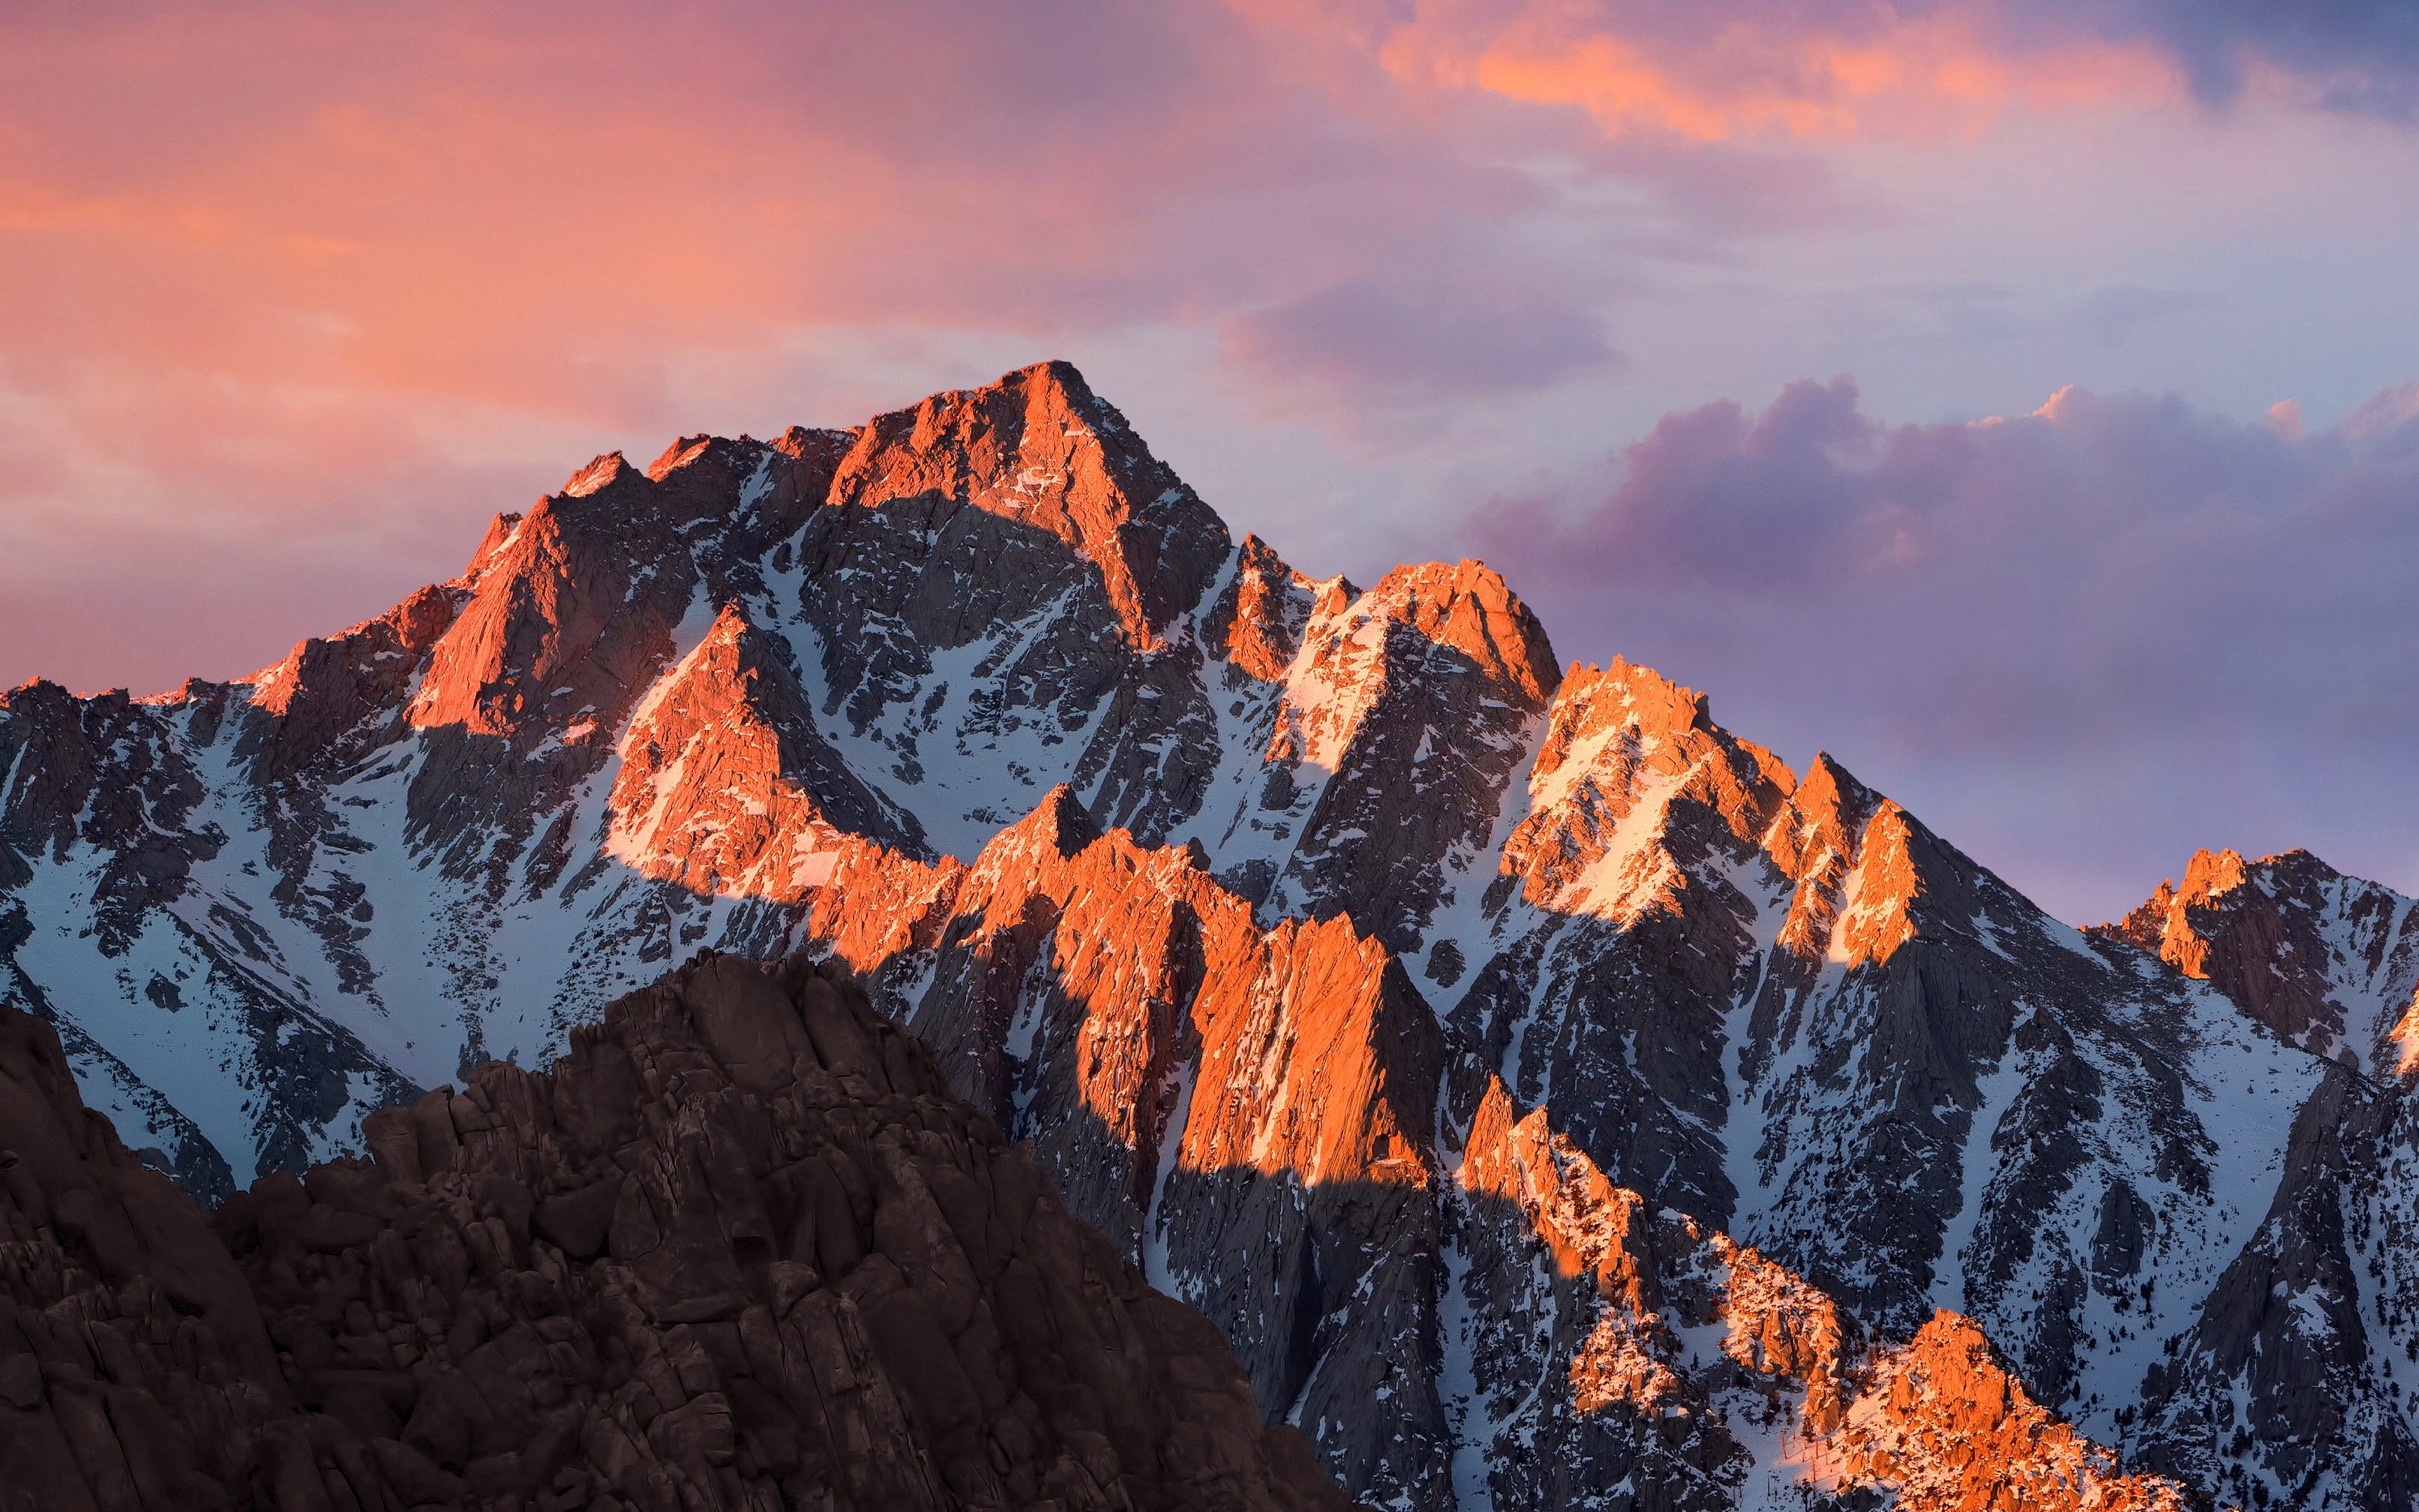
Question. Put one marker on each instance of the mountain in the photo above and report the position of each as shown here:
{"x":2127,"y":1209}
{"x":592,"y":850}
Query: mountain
{"x":740,"y":1248}
{"x":1264,"y":906}
{"x":2305,"y":1359}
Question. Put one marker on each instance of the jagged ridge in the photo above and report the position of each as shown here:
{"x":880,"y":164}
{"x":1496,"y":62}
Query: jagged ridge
{"x":1309,"y":869}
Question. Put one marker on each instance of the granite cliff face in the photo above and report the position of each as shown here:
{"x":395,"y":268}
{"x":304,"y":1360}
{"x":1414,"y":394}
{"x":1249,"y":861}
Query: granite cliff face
{"x":1254,"y":901}
{"x":741,"y":1248}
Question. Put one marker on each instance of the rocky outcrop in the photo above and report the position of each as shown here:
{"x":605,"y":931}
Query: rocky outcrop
{"x":726,"y":787}
{"x":135,"y":1370}
{"x":1701,"y":1374}
{"x":1942,"y":1425}
{"x":2295,"y":1384}
{"x":739,"y":1248}
{"x":329,"y":695}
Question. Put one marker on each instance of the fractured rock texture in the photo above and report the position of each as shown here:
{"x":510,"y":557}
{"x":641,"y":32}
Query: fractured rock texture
{"x":2299,"y":1383}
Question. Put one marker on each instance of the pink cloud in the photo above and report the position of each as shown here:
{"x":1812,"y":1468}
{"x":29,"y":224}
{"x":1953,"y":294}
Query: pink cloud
{"x":1806,"y":72}
{"x":272,"y":272}
{"x":1821,"y":70}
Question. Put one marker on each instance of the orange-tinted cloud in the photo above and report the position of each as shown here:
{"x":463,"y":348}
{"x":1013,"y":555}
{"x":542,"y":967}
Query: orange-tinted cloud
{"x":1730,"y":75}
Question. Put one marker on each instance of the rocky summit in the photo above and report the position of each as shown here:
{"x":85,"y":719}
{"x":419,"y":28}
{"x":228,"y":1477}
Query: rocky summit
{"x":1556,"y":1099}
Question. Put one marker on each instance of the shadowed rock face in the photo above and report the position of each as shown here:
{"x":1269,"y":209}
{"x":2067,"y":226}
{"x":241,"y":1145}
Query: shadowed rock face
{"x":2294,"y":1387}
{"x":2300,"y":1380}
{"x":1241,"y":895}
{"x":2329,"y":962}
{"x":740,"y":1248}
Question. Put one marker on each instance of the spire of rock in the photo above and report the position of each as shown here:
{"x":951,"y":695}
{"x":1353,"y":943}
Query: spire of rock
{"x":1257,"y":623}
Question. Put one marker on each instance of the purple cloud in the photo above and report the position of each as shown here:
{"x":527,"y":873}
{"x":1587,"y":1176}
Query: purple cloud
{"x":2113,"y":629}
{"x":1436,"y":342}
{"x":2364,"y":54}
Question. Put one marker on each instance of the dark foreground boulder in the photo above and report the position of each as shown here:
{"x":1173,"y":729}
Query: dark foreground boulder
{"x":740,"y":1248}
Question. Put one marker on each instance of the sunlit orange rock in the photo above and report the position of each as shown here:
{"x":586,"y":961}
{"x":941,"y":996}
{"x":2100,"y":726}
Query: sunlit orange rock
{"x":1035,"y":448}
{"x":1257,"y":623}
{"x":724,"y":785}
{"x":1943,"y":1427}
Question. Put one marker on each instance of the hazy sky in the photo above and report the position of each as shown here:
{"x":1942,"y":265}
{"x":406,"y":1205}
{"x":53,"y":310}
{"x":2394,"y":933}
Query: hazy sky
{"x":2014,"y":399}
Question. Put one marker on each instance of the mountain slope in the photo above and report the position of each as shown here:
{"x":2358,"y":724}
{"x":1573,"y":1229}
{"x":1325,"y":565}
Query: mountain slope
{"x":1241,"y":894}
{"x":2300,"y":1379}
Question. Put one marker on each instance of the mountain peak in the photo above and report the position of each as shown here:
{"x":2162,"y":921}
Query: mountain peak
{"x":815,"y":445}
{"x":1257,"y":622}
{"x":2324,"y":959}
{"x":681,"y":452}
{"x":2164,"y":923}
{"x":1038,"y":450}
{"x":327,"y":687}
{"x":2212,"y":872}
{"x":1659,"y":705}
{"x":1468,"y":607}
{"x":1832,"y":805}
{"x":1059,"y":823}
{"x":600,"y":472}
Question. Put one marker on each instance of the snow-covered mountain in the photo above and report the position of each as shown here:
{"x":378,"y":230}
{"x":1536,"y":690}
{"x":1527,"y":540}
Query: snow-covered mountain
{"x":2304,"y":1362}
{"x":1558,"y":1100}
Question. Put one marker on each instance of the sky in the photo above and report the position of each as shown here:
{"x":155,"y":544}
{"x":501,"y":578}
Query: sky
{"x":2014,"y":399}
